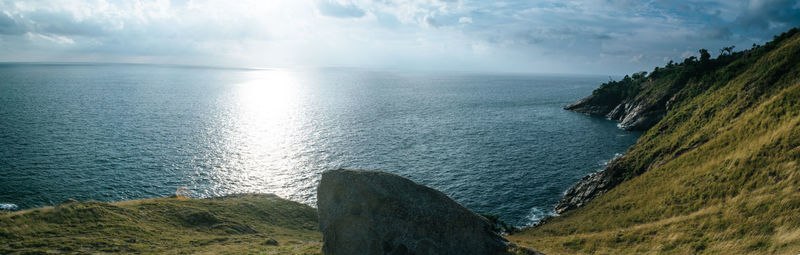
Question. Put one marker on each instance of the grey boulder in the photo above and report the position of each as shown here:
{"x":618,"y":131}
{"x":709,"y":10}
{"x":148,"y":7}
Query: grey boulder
{"x":371,"y":212}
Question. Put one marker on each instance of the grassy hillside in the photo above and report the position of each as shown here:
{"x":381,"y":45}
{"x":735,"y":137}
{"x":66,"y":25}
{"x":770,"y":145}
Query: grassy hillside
{"x":250,"y":224}
{"x":718,"y":174}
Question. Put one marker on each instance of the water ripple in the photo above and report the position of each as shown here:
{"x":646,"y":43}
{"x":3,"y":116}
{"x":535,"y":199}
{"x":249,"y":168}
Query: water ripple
{"x":499,"y":144}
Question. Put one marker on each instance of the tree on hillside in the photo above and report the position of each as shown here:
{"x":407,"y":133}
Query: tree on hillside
{"x":728,"y":50}
{"x":690,"y":60}
{"x":704,"y":55}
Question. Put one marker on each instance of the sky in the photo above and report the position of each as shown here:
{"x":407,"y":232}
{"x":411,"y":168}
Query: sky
{"x":580,"y":37}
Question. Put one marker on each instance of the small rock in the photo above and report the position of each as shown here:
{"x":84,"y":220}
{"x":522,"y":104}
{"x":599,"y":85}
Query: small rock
{"x":271,"y":241}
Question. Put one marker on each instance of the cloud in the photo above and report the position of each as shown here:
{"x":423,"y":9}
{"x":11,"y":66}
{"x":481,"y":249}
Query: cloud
{"x":602,"y":37}
{"x":609,"y":36}
{"x":636,"y":58}
{"x":337,"y":9}
{"x":431,"y":22}
{"x":9,"y":26}
{"x":766,"y":14}
{"x":717,"y":33}
{"x":52,"y":38}
{"x":63,"y":23}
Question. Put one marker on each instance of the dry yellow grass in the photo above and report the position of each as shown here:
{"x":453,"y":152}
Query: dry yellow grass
{"x":718,"y":175}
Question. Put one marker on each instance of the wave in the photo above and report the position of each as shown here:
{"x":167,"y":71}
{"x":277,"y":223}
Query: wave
{"x":8,"y":207}
{"x":537,"y":214}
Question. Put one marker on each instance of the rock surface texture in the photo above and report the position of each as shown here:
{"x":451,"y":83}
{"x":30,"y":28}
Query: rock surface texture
{"x":637,"y":112}
{"x":590,"y":187}
{"x":632,"y":114}
{"x":371,"y":212}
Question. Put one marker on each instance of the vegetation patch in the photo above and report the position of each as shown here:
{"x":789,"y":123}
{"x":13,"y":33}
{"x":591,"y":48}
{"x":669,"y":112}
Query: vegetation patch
{"x":717,"y":174}
{"x":237,"y":224}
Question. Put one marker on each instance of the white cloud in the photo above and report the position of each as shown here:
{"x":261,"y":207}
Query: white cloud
{"x":339,"y":9}
{"x":636,"y":58}
{"x":52,"y":38}
{"x":591,"y":36}
{"x":686,"y":54}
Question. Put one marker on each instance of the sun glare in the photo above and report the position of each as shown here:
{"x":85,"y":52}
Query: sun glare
{"x":265,"y":126}
{"x":268,"y":93}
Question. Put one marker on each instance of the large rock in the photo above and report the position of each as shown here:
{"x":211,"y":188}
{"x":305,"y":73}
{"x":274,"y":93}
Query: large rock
{"x":371,"y":212}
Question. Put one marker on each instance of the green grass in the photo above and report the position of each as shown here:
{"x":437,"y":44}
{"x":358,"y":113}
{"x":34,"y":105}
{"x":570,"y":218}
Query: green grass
{"x":237,"y":224}
{"x":719,"y":174}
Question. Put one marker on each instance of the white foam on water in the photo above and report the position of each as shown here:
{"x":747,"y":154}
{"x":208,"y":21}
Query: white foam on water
{"x":605,"y":162}
{"x":8,"y":207}
{"x":536,"y":214}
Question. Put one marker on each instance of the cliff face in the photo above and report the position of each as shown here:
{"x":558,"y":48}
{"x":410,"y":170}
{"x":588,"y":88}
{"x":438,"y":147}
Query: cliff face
{"x":639,"y":102}
{"x":632,"y":113}
{"x":590,"y":187}
{"x":717,"y":172}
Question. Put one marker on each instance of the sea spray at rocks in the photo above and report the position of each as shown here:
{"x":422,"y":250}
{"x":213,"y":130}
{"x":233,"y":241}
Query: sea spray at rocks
{"x":8,"y":207}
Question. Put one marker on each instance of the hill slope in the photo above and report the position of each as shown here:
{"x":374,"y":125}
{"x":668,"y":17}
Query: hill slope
{"x":237,"y":224}
{"x":716,"y":171}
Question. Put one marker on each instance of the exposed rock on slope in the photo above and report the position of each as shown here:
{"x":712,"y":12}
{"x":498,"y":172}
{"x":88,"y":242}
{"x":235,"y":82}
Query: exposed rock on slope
{"x":640,"y":101}
{"x":718,"y":174}
{"x":633,"y":111}
{"x":370,"y":212}
{"x":588,"y":188}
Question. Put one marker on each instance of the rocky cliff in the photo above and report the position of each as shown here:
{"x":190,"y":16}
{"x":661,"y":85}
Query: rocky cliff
{"x":717,"y":173}
{"x":590,"y":187}
{"x":632,"y":113}
{"x":640,"y":101}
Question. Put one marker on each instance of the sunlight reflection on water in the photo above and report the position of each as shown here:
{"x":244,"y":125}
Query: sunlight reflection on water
{"x":265,"y":149}
{"x":496,"y":143}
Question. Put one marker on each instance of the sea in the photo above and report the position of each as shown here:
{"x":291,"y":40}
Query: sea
{"x":498,"y":143}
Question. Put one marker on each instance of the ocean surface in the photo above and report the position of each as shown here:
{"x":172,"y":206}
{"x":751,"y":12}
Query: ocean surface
{"x":497,"y":143}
